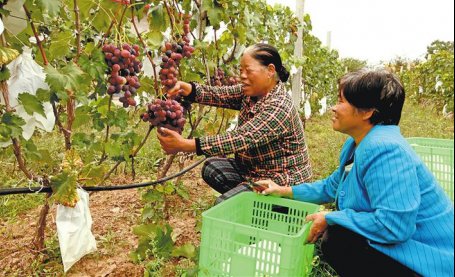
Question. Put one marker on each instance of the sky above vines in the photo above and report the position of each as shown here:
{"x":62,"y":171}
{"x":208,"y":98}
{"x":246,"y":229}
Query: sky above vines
{"x":380,"y":30}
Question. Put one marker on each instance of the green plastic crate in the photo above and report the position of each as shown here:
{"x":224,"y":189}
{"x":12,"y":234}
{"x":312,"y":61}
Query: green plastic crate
{"x":256,"y":235}
{"x":437,"y":154}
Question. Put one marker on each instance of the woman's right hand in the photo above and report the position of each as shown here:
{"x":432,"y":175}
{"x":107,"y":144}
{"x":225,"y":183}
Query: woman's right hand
{"x":180,"y":88}
{"x":274,"y":189}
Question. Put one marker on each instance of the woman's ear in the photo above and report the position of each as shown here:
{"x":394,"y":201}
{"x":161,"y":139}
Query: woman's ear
{"x":271,"y":68}
{"x":367,"y":114}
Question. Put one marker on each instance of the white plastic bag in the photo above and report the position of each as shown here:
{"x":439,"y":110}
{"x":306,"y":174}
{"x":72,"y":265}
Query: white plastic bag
{"x":28,"y":76}
{"x":74,"y":231}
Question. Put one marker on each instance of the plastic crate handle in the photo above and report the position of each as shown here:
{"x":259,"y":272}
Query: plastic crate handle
{"x":306,"y":231}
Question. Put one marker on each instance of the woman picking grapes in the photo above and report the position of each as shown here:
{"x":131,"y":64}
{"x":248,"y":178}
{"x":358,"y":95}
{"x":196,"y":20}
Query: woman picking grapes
{"x":269,"y":139}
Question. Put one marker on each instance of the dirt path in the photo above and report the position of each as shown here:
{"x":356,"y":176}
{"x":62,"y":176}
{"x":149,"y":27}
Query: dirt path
{"x":114,"y":215}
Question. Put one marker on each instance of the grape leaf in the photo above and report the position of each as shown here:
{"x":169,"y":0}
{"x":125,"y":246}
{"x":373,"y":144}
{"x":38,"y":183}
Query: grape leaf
{"x":31,"y":104}
{"x":52,"y":7}
{"x":70,"y":77}
{"x":214,"y":13}
{"x":43,"y":95}
{"x":145,"y":230}
{"x":187,"y":251}
{"x":94,"y":64}
{"x":13,"y":124}
{"x":72,"y":161}
{"x":60,"y":44}
{"x":82,"y":116}
{"x":93,"y":174}
{"x":104,"y":15}
{"x":64,"y":188}
{"x":186,"y":5}
{"x":85,"y":6}
{"x":4,"y":74}
{"x":31,"y":151}
{"x":157,"y":19}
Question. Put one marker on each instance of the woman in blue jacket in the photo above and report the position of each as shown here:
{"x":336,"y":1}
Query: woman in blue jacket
{"x":392,"y":218}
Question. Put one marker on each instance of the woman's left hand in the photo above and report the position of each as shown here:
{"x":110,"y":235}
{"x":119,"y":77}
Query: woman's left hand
{"x":172,"y":142}
{"x":318,"y":227}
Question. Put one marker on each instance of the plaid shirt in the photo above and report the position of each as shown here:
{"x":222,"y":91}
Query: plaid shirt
{"x":269,"y":139}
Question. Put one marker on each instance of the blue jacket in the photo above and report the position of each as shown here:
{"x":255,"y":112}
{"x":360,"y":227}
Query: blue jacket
{"x":392,"y":199}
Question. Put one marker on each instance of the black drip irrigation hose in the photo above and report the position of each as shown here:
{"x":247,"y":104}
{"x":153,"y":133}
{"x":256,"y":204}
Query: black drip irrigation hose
{"x":105,"y":188}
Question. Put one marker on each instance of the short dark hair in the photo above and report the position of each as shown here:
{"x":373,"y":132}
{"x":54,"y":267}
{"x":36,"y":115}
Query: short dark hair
{"x":379,"y":90}
{"x":266,"y":54}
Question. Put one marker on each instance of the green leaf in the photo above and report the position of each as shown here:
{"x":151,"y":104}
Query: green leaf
{"x":72,"y":161}
{"x":157,"y":19}
{"x":190,"y":76}
{"x":182,"y":192}
{"x":164,"y":242}
{"x":215,"y":17}
{"x":51,"y":7}
{"x":145,"y":230}
{"x":70,"y":77}
{"x":31,"y":104}
{"x":60,"y":44}
{"x":64,"y":189}
{"x":4,"y":74}
{"x":155,"y":38}
{"x":81,"y":140}
{"x":187,"y":251}
{"x":31,"y":151}
{"x":5,"y":133}
{"x":14,"y":124}
{"x":82,"y":116}
{"x":85,"y":6}
{"x":104,"y":15}
{"x":186,"y":5}
{"x":93,"y":174}
{"x":43,"y":95}
{"x":93,"y":64}
{"x":148,"y":213}
{"x":113,"y":149}
{"x":169,"y":189}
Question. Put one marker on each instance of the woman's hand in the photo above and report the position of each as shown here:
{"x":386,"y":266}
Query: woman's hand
{"x":172,"y":142}
{"x":274,"y":189}
{"x":180,"y":88}
{"x":318,"y":227}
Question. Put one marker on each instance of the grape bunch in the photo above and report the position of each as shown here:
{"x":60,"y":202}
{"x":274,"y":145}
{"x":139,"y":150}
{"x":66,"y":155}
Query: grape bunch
{"x":220,"y":79}
{"x":165,"y":113}
{"x":173,"y":53}
{"x":124,"y":66}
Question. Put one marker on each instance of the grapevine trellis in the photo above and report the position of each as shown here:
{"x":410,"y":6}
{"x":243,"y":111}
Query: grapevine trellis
{"x":96,"y":54}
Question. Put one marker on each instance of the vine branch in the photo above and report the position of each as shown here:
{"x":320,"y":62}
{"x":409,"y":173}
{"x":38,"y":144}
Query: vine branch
{"x":133,"y":21}
{"x":35,"y":33}
{"x":135,"y":152}
{"x":78,"y":31}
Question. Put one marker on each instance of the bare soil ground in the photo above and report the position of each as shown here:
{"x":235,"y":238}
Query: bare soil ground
{"x":114,"y":215}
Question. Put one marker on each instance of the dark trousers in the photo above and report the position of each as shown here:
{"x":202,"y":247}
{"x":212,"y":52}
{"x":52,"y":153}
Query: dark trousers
{"x":349,"y":254}
{"x":225,"y":176}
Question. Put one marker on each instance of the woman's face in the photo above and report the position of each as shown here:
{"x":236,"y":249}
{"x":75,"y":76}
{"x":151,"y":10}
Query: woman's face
{"x":256,"y":78}
{"x":346,"y":118}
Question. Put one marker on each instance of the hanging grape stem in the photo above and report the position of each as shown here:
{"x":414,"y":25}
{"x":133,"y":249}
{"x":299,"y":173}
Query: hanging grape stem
{"x":144,"y":46}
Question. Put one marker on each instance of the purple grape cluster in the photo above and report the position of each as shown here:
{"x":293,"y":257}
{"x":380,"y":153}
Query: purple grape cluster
{"x":173,"y":53}
{"x":124,"y":66}
{"x":221,"y":79}
{"x":165,"y":113}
